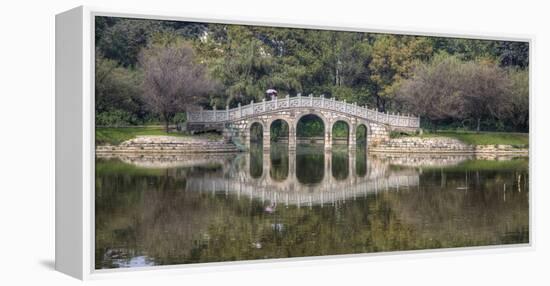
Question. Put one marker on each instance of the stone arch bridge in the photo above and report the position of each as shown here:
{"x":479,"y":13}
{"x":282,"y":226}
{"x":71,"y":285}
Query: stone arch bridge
{"x":237,"y":122}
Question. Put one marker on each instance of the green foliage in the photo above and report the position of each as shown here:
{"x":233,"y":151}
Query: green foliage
{"x":518,"y":111}
{"x":340,"y":129}
{"x":279,"y":130}
{"x":310,"y":126}
{"x":123,"y":40}
{"x":116,"y":118}
{"x":514,"y":54}
{"x":369,"y":69}
{"x":393,"y":60}
{"x":179,"y":118}
{"x":118,"y":88}
{"x":361,"y":134}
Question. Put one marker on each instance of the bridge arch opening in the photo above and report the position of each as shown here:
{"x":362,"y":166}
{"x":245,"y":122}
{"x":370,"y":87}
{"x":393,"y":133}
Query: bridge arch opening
{"x":256,"y":133}
{"x":310,"y":128}
{"x":279,"y":131}
{"x":340,"y":132}
{"x":361,"y":135}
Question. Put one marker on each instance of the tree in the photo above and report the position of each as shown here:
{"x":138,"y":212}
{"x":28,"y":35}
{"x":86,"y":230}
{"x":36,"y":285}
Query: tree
{"x":518,"y":111}
{"x":393,"y":59}
{"x":117,"y":92}
{"x":514,"y":54}
{"x":244,"y":65}
{"x":448,"y":88}
{"x":173,"y":80}
{"x":434,"y":90}
{"x":123,"y":41}
{"x":484,"y":88}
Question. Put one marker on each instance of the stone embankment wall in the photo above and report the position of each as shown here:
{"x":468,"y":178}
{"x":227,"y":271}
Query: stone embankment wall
{"x":169,"y":144}
{"x":442,"y":145}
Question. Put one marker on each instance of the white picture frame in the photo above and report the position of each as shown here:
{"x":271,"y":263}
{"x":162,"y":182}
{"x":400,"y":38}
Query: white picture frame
{"x":75,"y":146}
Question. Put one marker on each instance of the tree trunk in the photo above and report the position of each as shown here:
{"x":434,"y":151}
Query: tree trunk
{"x":380,"y":104}
{"x":478,"y":124}
{"x":166,"y":122}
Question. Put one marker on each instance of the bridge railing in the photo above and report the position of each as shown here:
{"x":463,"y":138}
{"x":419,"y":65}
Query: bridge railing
{"x":212,"y":116}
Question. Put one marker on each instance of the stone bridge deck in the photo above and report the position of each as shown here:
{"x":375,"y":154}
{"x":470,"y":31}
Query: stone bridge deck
{"x":291,"y":109}
{"x":257,"y":109}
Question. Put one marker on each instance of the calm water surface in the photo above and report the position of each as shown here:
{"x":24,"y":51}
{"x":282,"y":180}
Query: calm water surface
{"x":159,"y":210}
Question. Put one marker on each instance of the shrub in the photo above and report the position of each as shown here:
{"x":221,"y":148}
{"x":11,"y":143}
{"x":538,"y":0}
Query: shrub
{"x":115,"y":118}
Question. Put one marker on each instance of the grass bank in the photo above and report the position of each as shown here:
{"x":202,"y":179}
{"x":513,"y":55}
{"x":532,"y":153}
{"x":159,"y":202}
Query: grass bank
{"x":519,"y":140}
{"x":117,"y":135}
{"x":489,"y":165}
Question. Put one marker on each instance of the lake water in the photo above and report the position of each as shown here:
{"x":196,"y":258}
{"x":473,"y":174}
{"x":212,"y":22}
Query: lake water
{"x":162,"y":210}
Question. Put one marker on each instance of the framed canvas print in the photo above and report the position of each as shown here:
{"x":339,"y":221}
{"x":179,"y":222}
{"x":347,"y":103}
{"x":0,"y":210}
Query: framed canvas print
{"x":183,"y":141}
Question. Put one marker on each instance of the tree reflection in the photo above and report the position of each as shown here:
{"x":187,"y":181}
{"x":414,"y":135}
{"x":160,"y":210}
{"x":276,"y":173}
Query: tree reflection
{"x":310,"y":162}
{"x":157,"y":215}
{"x":279,"y":161}
{"x":340,"y":162}
{"x":256,"y":160}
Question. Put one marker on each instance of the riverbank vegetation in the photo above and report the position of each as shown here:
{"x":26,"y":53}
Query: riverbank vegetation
{"x":150,"y":71}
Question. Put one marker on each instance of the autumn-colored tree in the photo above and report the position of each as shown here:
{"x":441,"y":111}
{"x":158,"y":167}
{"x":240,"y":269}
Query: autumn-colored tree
{"x":448,"y":88}
{"x":434,"y":90}
{"x":393,"y":58}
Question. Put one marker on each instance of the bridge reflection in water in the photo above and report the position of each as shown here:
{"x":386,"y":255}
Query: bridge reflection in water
{"x":308,"y":176}
{"x":160,"y":209}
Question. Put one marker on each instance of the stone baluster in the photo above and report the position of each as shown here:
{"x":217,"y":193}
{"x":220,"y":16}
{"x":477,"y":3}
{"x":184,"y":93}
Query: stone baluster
{"x":263,"y":105}
{"x":200,"y":115}
{"x":288,"y":100}
{"x":310,"y":99}
{"x":215,"y":119}
{"x":322,"y":100}
{"x":227,"y":112}
{"x":275,"y":101}
{"x":240,"y":110}
{"x":252,"y":105}
{"x":398,"y":119}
